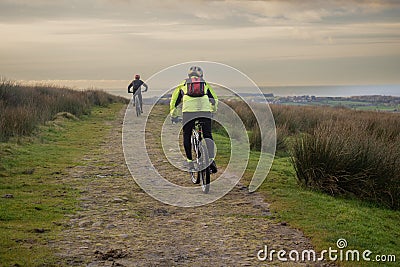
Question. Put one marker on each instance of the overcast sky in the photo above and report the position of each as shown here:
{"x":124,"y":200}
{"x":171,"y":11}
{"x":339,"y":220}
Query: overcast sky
{"x":284,"y":42}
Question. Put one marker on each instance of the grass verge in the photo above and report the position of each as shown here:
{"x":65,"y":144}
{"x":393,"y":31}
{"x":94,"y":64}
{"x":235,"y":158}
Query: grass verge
{"x":321,"y":217}
{"x":34,"y":198}
{"x":325,"y":219}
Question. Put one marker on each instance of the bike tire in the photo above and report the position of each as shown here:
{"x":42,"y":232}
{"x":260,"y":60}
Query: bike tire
{"x":137,"y":105}
{"x":204,"y":173}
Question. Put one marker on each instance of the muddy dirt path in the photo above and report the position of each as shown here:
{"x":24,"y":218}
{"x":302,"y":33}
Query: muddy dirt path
{"x":120,"y":225}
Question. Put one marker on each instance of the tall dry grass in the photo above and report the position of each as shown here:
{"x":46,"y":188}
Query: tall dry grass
{"x":337,"y":150}
{"x":357,"y":154}
{"x":23,"y":108}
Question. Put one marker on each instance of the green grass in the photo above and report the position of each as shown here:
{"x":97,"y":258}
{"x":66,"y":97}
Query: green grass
{"x":325,"y":219}
{"x":378,"y":108}
{"x":41,"y":199}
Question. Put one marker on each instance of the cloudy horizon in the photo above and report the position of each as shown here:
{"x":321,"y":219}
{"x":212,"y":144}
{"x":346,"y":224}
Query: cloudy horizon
{"x":273,"y":42}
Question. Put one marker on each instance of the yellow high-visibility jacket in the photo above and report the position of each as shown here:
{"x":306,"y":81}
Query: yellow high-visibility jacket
{"x":206,"y":103}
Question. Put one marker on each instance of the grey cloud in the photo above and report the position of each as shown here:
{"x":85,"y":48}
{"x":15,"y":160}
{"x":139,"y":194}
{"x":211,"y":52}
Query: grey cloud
{"x":217,"y":13}
{"x":25,"y":10}
{"x":111,"y":34}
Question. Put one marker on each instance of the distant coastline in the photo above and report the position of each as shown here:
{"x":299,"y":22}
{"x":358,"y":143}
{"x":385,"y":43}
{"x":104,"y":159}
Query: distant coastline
{"x":334,"y":90}
{"x":118,"y":87}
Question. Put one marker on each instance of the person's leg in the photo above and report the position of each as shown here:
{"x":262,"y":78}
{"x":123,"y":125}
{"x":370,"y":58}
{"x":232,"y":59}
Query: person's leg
{"x":207,"y":134}
{"x":188,"y":125}
{"x":140,"y":101}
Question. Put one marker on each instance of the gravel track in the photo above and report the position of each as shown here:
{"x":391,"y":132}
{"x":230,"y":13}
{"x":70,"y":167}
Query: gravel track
{"x":118,"y":224}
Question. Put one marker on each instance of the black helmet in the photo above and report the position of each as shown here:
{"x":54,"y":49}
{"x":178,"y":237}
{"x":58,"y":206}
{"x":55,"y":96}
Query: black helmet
{"x":195,"y":71}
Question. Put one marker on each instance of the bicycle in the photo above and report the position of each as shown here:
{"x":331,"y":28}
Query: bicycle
{"x":137,"y":104}
{"x":202,"y":173}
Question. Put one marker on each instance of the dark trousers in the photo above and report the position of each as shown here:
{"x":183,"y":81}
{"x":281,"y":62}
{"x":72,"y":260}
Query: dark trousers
{"x":188,"y":119}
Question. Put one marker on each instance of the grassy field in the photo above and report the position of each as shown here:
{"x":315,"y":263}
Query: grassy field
{"x":31,"y":172}
{"x":351,"y":104}
{"x":34,"y":198}
{"x":358,"y":105}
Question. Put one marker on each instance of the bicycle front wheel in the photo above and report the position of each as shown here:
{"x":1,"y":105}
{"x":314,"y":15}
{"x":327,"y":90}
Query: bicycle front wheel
{"x":194,"y":176}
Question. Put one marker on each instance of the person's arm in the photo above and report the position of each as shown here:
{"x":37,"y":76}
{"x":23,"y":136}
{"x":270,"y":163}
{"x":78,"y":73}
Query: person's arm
{"x":176,"y":99}
{"x":145,"y":86}
{"x":212,"y":97}
{"x":129,"y":88}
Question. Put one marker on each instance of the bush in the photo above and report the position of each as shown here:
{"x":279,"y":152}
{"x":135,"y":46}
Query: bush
{"x":336,"y":150}
{"x":357,"y":156}
{"x":23,"y":108}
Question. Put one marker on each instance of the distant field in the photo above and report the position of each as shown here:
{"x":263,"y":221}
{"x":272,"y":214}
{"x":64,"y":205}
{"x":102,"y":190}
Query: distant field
{"x":356,"y":105}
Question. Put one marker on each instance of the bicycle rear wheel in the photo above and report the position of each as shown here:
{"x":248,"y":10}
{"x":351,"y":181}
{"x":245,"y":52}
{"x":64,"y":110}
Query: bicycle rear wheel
{"x":204,"y":173}
{"x":137,"y":105}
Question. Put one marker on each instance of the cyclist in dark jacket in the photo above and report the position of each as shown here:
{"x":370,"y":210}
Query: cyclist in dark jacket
{"x":136,"y":86}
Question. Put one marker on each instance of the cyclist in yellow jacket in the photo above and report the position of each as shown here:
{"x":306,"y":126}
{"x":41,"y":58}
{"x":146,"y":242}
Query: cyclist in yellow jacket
{"x":199,"y":101}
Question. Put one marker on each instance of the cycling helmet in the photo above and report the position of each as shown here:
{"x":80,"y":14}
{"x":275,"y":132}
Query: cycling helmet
{"x":195,"y":71}
{"x":137,"y":77}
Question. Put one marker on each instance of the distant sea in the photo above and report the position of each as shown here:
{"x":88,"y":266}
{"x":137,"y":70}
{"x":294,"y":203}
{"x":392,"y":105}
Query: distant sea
{"x":323,"y":91}
{"x":118,"y":87}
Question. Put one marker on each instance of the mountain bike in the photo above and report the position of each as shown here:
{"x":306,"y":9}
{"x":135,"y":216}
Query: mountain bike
{"x":137,"y":103}
{"x":201,"y":173}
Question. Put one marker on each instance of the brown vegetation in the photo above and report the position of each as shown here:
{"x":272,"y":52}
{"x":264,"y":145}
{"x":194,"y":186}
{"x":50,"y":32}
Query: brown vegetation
{"x":338,"y":151}
{"x":23,"y":108}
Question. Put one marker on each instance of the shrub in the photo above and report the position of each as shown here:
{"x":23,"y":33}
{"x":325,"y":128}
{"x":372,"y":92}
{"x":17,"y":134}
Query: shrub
{"x":336,"y":150}
{"x":355,"y":156}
